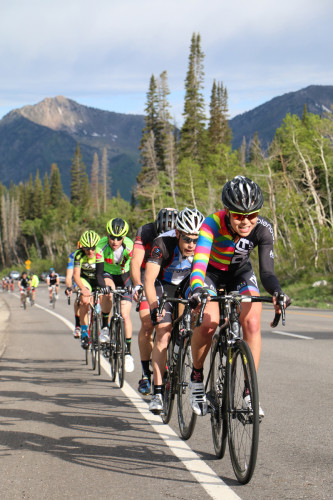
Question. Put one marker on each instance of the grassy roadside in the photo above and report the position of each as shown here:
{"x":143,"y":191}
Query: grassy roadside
{"x":307,"y":295}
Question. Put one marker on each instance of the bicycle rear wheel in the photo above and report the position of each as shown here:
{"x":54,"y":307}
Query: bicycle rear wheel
{"x":243,"y":424}
{"x":25,"y":301}
{"x":186,"y":416}
{"x":217,"y":398}
{"x":169,"y":386}
{"x":113,"y":350}
{"x":120,"y":351}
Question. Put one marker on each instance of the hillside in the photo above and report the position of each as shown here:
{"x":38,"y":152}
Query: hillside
{"x":265,"y":119}
{"x":34,"y":137}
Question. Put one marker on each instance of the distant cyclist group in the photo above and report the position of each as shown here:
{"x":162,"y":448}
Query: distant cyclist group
{"x":180,"y":254}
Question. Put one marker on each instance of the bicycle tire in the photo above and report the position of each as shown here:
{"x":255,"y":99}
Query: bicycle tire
{"x":120,"y":351}
{"x":25,"y":301}
{"x":168,"y":386}
{"x":98,"y":342}
{"x":93,"y":344}
{"x":53,"y":300}
{"x":243,"y":426}
{"x":113,"y":350}
{"x":186,"y":416}
{"x":217,"y":393}
{"x":87,"y":355}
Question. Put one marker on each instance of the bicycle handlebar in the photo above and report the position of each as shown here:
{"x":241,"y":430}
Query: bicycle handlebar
{"x":246,"y":298}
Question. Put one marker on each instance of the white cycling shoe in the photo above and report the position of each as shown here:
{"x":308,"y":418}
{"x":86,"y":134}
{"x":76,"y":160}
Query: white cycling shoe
{"x":198,"y":398}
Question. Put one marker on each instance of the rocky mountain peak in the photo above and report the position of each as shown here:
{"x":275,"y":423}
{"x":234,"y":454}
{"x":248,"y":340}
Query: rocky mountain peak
{"x":56,"y":113}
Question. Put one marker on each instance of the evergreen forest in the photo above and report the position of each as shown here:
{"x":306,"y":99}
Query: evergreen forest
{"x":188,"y":167}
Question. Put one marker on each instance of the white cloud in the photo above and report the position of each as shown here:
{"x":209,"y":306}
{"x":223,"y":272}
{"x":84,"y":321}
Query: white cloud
{"x":107,"y":50}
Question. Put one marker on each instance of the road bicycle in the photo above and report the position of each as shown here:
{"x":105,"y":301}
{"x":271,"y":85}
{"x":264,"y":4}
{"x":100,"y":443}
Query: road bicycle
{"x":231,"y":375}
{"x":94,"y":330}
{"x":116,"y":348}
{"x":25,"y":297}
{"x":178,"y":368}
{"x":53,"y":297}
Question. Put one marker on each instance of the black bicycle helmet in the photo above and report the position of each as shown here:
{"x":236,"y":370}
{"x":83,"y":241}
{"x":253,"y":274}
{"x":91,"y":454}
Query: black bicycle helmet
{"x":242,"y":195}
{"x":189,"y":221}
{"x":117,"y":227}
{"x":166,"y":219}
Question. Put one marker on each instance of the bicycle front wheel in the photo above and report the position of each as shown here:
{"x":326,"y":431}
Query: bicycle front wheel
{"x":186,"y":416}
{"x":94,"y":344}
{"x":243,"y":424}
{"x":120,"y":352}
{"x":113,"y":350}
{"x":168,"y":385}
{"x":98,"y":343}
{"x":217,"y":397}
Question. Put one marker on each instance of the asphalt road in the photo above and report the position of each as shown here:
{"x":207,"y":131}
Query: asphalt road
{"x":69,"y":433}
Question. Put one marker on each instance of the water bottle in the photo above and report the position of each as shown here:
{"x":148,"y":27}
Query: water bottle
{"x":175,"y":352}
{"x":98,"y":308}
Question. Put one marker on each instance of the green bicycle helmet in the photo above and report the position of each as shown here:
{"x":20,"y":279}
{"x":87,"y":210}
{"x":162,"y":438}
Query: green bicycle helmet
{"x":117,"y":227}
{"x":89,"y":239}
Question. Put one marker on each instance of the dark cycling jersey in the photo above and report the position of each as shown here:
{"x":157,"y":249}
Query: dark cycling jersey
{"x":53,"y":279}
{"x":144,"y":238}
{"x":220,"y":250}
{"x":166,"y":253}
{"x":24,"y":283}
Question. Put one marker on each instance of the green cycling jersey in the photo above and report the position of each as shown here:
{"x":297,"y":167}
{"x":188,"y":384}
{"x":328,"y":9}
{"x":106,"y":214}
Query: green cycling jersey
{"x":86,"y":264}
{"x":117,"y":262}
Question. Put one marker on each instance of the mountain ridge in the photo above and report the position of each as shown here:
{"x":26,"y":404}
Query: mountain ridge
{"x":35,"y":136}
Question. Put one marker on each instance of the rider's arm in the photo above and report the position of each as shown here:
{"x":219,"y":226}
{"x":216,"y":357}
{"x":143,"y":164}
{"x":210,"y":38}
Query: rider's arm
{"x":266,"y":260}
{"x":135,"y":266}
{"x":69,"y":276}
{"x":151,"y":273}
{"x":78,"y":281}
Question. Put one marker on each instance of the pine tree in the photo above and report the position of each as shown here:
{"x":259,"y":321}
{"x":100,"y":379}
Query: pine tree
{"x":79,"y":180}
{"x":105,"y":179}
{"x":94,"y":182}
{"x":46,"y":192}
{"x":219,"y":131}
{"x":193,"y":138}
{"x":38,"y":201}
{"x":56,"y":190}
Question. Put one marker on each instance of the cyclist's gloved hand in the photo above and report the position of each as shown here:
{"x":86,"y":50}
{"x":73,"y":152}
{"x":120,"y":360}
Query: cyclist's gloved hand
{"x":68,"y":290}
{"x":196,"y":297}
{"x":282,"y":296}
{"x":153,"y":316}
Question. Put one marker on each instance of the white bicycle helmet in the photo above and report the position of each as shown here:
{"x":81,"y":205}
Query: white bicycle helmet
{"x":189,"y":221}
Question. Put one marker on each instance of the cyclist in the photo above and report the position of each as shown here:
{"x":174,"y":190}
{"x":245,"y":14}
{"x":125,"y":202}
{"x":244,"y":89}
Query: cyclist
{"x":34,"y":282}
{"x":51,"y":280}
{"x":170,"y":262}
{"x":84,"y":275}
{"x":145,"y":236}
{"x":69,"y":289}
{"x":113,"y":255}
{"x":24,"y":285}
{"x":226,"y":240}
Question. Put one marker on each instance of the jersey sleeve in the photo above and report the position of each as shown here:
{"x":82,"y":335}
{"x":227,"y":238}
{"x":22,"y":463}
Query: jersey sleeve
{"x":202,"y":253}
{"x":157,"y":252}
{"x":266,"y":259}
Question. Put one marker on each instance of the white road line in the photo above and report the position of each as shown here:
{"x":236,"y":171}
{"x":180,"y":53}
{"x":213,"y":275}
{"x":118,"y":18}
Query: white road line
{"x":292,"y":335}
{"x":214,"y":486}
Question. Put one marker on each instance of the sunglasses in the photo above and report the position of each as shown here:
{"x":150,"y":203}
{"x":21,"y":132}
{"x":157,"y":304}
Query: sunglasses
{"x":116,"y":238}
{"x":92,"y":249}
{"x":239,"y":217}
{"x":187,"y":239}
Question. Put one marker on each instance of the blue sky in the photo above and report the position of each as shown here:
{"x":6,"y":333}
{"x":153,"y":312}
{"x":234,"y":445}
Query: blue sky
{"x":103,"y":53}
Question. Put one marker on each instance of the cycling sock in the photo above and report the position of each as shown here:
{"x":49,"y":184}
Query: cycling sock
{"x":128,"y":346}
{"x":77,"y":321}
{"x":145,"y":368}
{"x":105,"y":320}
{"x":84,"y":331}
{"x":197,"y":375}
{"x":158,"y":389}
